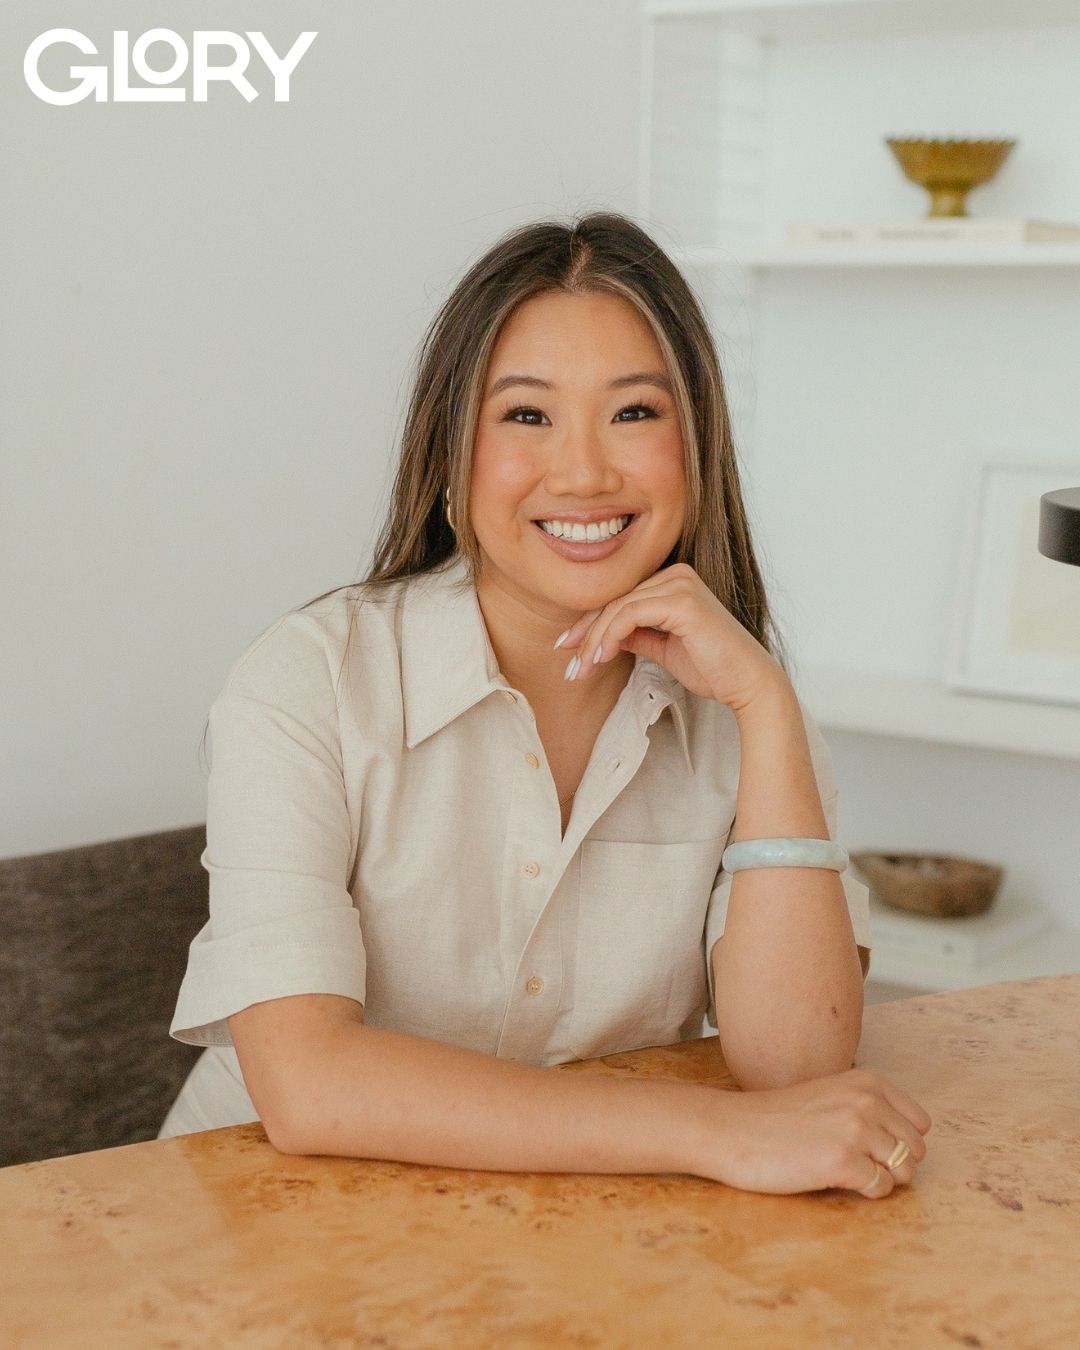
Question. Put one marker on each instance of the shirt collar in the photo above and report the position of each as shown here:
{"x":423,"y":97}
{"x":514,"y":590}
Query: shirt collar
{"x":448,"y":663}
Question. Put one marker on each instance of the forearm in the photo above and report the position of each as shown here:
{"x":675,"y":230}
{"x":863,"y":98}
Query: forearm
{"x":789,"y":988}
{"x":376,"y":1093}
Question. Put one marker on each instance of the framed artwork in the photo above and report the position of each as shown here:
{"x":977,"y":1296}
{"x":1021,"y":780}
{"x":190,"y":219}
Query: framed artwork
{"x":1015,"y":631}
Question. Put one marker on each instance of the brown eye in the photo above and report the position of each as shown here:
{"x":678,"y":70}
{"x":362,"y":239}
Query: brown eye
{"x":650,"y":409}
{"x":512,"y":415}
{"x":640,"y":407}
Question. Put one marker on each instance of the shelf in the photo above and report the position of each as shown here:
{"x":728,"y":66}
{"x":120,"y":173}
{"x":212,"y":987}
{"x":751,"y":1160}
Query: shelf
{"x":962,"y":254}
{"x":926,"y":710}
{"x":738,"y":113}
{"x":1054,"y":952}
{"x":738,"y":137}
{"x":813,"y":20}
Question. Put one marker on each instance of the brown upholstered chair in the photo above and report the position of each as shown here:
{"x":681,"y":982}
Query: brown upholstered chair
{"x":93,"y":947}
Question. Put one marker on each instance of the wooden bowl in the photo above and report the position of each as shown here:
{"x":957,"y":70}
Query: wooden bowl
{"x":940,"y":885}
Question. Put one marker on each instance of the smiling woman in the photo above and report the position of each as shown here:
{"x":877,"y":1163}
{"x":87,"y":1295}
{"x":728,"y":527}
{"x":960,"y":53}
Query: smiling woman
{"x":441,"y":859}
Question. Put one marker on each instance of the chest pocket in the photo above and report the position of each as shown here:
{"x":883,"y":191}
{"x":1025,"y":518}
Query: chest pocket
{"x":640,"y":973}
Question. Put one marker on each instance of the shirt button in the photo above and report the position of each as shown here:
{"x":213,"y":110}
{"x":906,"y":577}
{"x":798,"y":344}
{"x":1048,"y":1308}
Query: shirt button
{"x":535,"y":984}
{"x":531,"y":869}
{"x":532,"y":761}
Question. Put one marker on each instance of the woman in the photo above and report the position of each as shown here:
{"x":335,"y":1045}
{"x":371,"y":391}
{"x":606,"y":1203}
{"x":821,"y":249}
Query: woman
{"x":443,"y":856}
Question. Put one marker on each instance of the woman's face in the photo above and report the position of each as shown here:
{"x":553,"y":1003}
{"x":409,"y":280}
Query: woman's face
{"x":577,"y":424}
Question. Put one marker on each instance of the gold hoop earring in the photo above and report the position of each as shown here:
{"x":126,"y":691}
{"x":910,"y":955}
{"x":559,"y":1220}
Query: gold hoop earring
{"x":449,"y":517}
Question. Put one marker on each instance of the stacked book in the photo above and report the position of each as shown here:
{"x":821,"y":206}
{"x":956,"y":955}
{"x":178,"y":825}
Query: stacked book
{"x":958,"y":947}
{"x":938,"y":229}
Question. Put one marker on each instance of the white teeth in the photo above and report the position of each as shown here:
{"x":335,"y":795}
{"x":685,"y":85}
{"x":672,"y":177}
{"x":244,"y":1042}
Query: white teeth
{"x":603,"y":529}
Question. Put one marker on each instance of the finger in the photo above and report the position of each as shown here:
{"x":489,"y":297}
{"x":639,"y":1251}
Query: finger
{"x":579,"y":628}
{"x":907,"y":1106}
{"x":876,"y":1186}
{"x":608,"y":631}
{"x":902,"y":1129}
{"x":572,"y":636}
{"x":637,"y":611}
{"x":887,"y":1142}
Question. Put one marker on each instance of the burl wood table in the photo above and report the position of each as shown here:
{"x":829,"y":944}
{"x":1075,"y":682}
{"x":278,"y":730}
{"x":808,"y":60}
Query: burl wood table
{"x":216,"y":1239}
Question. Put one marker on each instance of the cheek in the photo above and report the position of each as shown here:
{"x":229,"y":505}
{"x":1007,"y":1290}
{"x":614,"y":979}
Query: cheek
{"x":659,"y":467}
{"x":502,"y":474}
{"x":670,"y":466}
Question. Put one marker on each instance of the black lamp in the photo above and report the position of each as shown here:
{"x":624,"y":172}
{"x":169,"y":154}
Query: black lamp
{"x":1059,"y":525}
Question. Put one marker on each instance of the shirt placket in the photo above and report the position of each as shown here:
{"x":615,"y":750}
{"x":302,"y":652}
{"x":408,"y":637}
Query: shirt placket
{"x":533,"y":867}
{"x":537,"y":858}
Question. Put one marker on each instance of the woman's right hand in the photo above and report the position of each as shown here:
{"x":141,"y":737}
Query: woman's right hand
{"x":813,"y":1135}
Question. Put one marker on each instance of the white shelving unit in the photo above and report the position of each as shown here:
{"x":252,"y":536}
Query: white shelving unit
{"x":925,"y":710}
{"x":705,"y":102}
{"x":729,"y":154}
{"x":1055,"y":952}
{"x":815,"y":20}
{"x":769,"y":255}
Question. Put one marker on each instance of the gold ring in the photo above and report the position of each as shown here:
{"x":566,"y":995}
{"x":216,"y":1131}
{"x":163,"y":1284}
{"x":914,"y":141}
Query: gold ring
{"x":897,"y":1156}
{"x":866,"y":1190}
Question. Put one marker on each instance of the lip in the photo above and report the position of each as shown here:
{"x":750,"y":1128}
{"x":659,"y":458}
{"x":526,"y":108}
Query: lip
{"x":582,"y":550}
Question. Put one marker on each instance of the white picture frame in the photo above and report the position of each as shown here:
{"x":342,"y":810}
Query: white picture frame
{"x":1015,"y":629}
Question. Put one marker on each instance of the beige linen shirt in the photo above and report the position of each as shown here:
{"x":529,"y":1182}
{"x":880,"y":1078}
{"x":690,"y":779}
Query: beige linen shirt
{"x":382,"y":823}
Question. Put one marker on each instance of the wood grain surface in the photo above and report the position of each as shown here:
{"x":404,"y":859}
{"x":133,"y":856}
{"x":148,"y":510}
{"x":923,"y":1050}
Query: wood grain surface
{"x":217,"y":1239}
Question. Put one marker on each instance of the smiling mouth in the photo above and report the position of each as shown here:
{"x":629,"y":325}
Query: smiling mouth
{"x":628,"y":516}
{"x":586,"y":550}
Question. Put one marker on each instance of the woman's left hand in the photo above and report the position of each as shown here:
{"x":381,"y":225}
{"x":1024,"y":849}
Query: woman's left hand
{"x":700,"y":642}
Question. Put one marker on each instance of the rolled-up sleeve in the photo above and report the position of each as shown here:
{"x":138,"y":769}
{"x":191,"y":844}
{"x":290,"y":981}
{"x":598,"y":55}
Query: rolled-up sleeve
{"x":856,"y":894}
{"x":278,"y":843}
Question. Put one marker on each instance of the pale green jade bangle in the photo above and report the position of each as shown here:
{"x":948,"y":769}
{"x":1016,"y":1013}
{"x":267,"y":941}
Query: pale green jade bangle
{"x":784,"y":853}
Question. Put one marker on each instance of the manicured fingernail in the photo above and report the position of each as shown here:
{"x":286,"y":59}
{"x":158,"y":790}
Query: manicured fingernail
{"x":561,"y":639}
{"x":572,"y":668}
{"x":597,"y":654}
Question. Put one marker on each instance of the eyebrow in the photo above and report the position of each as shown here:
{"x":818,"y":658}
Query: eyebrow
{"x":638,"y":377}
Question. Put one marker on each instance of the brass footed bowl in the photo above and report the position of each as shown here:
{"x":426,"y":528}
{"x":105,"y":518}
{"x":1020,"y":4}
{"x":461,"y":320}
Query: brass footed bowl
{"x":940,"y":885}
{"x":949,"y":169}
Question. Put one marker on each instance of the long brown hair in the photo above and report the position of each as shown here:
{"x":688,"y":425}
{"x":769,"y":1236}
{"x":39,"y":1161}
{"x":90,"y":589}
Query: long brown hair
{"x":603,"y":251}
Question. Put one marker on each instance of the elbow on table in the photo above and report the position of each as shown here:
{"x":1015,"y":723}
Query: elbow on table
{"x":753,"y":1073}
{"x":297,"y":1127}
{"x":296,"y":1146}
{"x":285,"y":1138}
{"x":297,"y":1130}
{"x":758,"y":1077}
{"x":756,"y":1069}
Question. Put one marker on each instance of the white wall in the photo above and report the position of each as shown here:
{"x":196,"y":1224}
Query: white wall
{"x":209,"y":316}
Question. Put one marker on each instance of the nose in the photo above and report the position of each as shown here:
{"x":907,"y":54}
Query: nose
{"x":581,"y":465}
